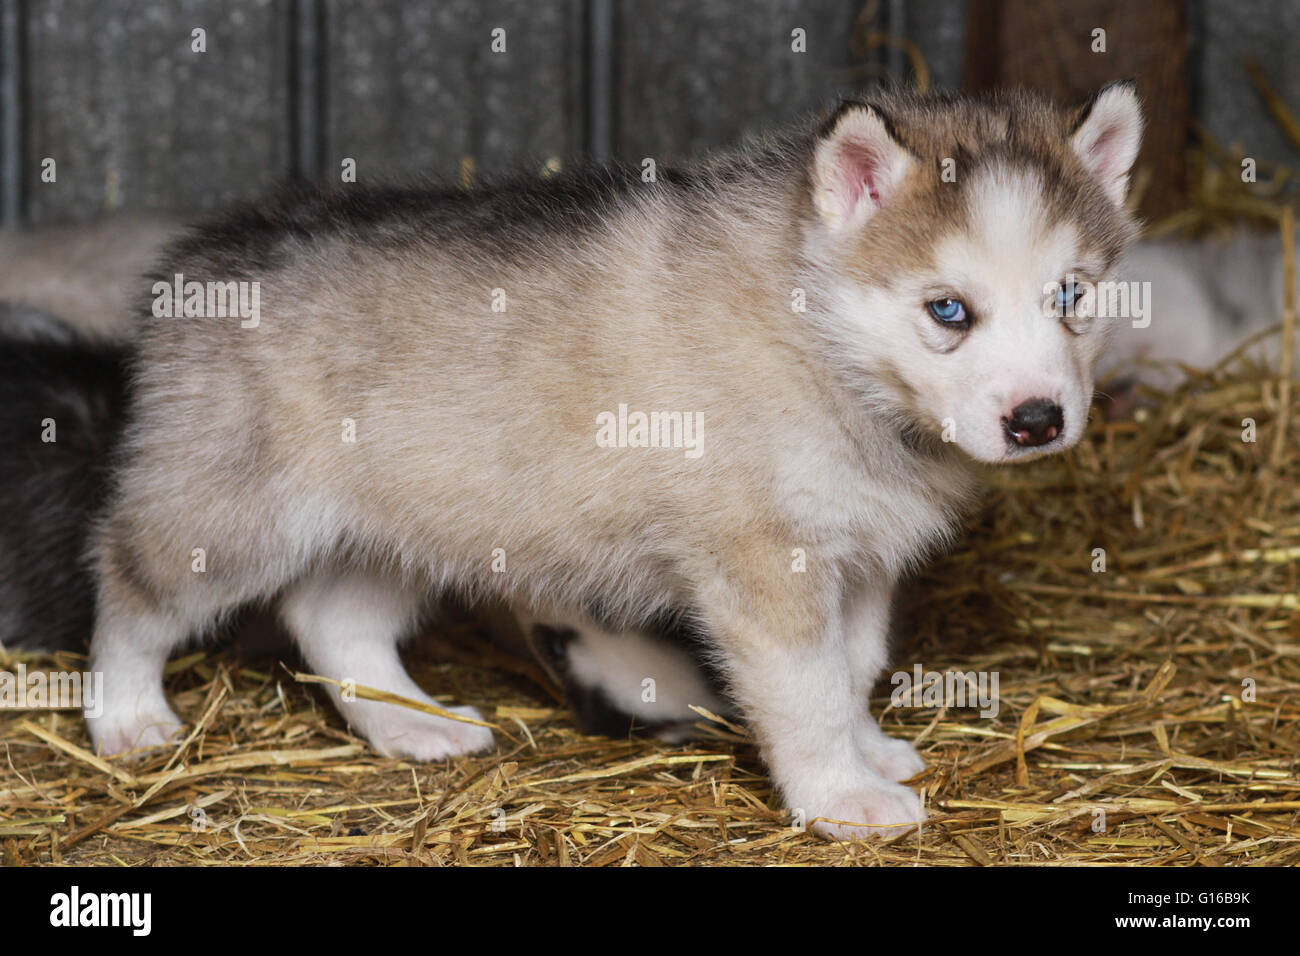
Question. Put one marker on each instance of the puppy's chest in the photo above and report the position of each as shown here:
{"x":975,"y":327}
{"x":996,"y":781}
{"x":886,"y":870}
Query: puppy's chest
{"x":888,"y":509}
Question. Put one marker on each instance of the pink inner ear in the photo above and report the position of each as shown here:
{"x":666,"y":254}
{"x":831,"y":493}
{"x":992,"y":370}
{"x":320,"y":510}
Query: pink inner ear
{"x":859,"y":173}
{"x":1102,"y":149}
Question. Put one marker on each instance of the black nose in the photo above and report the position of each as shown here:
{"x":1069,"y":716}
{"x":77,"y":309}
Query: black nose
{"x":1035,"y":422}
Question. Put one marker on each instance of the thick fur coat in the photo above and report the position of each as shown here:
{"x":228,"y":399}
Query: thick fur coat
{"x":417,"y":409}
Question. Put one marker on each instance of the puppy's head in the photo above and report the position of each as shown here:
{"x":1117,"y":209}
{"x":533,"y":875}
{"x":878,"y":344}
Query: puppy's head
{"x":964,"y":241}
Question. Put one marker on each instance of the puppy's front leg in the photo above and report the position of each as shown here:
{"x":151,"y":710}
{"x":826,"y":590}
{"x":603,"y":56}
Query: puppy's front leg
{"x":866,"y":633}
{"x":791,"y":672}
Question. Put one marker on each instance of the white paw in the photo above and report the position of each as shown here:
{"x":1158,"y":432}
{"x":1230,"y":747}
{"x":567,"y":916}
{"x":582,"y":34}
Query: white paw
{"x":875,"y":810}
{"x":122,"y":730}
{"x":401,"y":732}
{"x":676,"y":734}
{"x":895,"y":759}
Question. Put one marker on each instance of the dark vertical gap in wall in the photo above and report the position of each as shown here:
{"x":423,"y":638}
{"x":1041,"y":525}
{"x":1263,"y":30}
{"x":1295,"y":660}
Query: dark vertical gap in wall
{"x":896,"y":26}
{"x":1195,"y":15}
{"x":576,"y":102}
{"x":13,"y":27}
{"x":600,"y":79}
{"x":306,"y":87}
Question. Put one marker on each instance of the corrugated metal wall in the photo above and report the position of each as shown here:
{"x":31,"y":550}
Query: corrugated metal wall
{"x":1223,"y":35}
{"x":135,"y":119}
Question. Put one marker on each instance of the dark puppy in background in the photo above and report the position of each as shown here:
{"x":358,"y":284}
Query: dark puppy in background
{"x":63,"y":397}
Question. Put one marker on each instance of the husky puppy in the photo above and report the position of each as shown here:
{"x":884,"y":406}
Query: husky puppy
{"x":641,"y":681}
{"x":62,"y":397}
{"x":85,"y":273}
{"x":1205,"y":297}
{"x":453,"y":391}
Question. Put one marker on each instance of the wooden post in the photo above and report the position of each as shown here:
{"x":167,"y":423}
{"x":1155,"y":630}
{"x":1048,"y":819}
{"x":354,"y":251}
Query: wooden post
{"x":1055,"y":48}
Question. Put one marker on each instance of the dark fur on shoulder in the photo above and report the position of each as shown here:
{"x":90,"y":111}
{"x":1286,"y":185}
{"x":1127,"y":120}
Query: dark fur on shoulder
{"x":515,"y":210}
{"x":48,"y":490}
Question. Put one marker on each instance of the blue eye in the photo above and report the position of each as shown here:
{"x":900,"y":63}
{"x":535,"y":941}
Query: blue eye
{"x":948,"y":311}
{"x":1067,"y":297}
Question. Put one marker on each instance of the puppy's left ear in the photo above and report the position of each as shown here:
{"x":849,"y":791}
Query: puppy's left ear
{"x":1107,"y":134}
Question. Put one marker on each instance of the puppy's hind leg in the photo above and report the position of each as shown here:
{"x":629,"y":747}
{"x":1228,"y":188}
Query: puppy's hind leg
{"x":348,"y":627}
{"x":130,"y":648}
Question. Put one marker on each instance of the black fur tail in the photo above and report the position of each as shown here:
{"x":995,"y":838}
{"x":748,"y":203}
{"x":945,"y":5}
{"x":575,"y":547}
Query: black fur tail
{"x":62,"y":400}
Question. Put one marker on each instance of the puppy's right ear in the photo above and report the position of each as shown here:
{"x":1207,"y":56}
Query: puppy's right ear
{"x":858,"y":165}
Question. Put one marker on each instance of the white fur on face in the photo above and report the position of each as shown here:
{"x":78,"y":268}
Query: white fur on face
{"x":965,"y":385}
